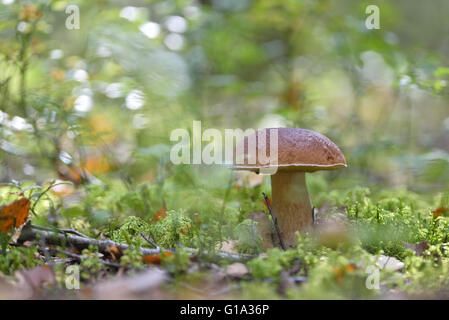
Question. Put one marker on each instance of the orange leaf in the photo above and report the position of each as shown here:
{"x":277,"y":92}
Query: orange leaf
{"x":161,"y":214}
{"x":115,"y":252}
{"x":351,"y":267}
{"x":14,"y":214}
{"x":156,"y":258}
{"x":438,"y":211}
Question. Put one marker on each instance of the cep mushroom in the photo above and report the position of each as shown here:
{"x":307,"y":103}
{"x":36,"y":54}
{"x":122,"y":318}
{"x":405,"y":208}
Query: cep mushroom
{"x":299,"y":151}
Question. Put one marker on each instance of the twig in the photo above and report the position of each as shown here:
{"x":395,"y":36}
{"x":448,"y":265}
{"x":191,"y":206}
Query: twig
{"x":72,"y":231}
{"x":150,"y":241}
{"x":275,"y":221}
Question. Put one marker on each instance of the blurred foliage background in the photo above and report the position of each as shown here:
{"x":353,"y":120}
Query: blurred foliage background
{"x":105,"y":97}
{"x":96,"y":105}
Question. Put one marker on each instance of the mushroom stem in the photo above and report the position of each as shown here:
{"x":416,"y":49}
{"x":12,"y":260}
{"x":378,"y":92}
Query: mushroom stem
{"x":291,"y":204}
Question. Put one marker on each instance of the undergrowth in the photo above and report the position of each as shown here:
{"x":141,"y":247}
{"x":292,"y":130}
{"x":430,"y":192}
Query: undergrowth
{"x":381,"y":223}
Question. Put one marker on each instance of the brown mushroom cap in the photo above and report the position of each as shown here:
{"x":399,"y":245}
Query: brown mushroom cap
{"x":298,"y":150}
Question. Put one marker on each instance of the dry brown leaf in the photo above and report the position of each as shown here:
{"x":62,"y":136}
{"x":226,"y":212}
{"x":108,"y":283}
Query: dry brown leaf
{"x":440,"y":211}
{"x":14,"y":214}
{"x":115,"y":252}
{"x":161,"y":214}
{"x":156,"y":258}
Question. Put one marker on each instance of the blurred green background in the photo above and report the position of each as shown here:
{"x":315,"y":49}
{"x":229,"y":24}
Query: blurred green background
{"x":103,"y":96}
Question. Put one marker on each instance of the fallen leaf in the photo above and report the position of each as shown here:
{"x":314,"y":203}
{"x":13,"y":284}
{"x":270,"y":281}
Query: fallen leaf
{"x":341,"y":272}
{"x":14,"y":214}
{"x":161,"y":214}
{"x":115,"y":252}
{"x":156,"y":258}
{"x":440,"y":211}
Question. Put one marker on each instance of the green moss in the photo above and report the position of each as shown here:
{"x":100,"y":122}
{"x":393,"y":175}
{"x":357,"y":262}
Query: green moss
{"x":130,"y":231}
{"x":90,"y":264}
{"x":18,"y":258}
{"x":271,"y":265}
{"x":176,"y":263}
{"x":175,"y":228}
{"x":132,"y":258}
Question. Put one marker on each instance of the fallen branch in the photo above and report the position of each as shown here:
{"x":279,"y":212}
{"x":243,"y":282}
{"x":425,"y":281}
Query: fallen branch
{"x":30,"y":233}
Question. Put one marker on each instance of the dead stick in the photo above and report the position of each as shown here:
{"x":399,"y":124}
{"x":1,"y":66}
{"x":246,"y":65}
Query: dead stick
{"x":275,"y":221}
{"x":30,"y":233}
{"x":150,"y":241}
{"x":72,"y":231}
{"x":76,"y":241}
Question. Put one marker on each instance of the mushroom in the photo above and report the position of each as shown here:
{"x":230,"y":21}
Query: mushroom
{"x":299,"y":151}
